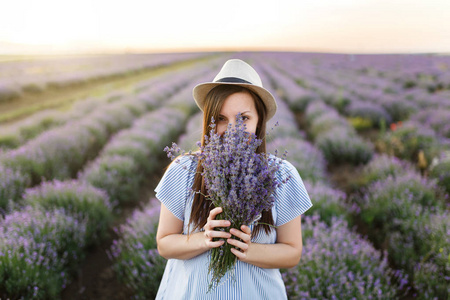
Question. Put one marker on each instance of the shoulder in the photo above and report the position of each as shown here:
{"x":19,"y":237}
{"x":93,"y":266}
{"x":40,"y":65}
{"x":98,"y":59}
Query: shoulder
{"x":178,"y":171}
{"x":182,"y":162}
{"x":285,"y":166}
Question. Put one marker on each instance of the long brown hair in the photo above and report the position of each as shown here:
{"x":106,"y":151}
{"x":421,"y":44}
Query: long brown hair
{"x":214,"y":100}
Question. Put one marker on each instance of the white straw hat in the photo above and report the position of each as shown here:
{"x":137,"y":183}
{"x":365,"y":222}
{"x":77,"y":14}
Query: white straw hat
{"x":237,"y":72}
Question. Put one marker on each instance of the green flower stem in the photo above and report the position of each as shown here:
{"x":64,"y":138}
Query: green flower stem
{"x":220,"y":264}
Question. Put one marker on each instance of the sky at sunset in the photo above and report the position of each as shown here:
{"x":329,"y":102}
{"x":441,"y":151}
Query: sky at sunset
{"x":341,"y":26}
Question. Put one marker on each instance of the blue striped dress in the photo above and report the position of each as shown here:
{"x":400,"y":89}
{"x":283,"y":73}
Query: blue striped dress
{"x":188,"y":279}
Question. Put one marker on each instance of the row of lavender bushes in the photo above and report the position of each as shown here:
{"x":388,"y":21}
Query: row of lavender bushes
{"x":137,"y":262}
{"x":61,"y":152}
{"x":411,"y":213}
{"x":408,"y":214}
{"x":356,"y":269}
{"x":418,"y":117}
{"x":16,"y":78}
{"x":420,"y":128}
{"x":336,"y":138}
{"x":49,"y":235}
{"x":20,"y":132}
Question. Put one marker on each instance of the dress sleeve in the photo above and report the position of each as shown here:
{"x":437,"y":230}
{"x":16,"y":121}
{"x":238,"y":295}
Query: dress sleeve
{"x":291,"y":198}
{"x":173,"y":188}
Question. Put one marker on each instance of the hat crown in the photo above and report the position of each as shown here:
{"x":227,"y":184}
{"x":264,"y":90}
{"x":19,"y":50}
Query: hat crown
{"x":236,"y":68}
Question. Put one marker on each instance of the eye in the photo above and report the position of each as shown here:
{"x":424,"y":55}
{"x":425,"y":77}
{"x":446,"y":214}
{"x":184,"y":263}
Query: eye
{"x":221,"y":119}
{"x":245,"y":118}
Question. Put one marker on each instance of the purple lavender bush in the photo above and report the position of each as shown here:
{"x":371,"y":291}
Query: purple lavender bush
{"x":9,"y":139}
{"x":133,"y":153}
{"x":296,"y":96}
{"x":40,"y":122}
{"x":422,"y":248}
{"x":119,"y":176}
{"x":285,"y":123}
{"x":326,"y":122}
{"x":75,"y":197}
{"x":316,"y":109}
{"x":12,"y":185}
{"x":440,"y":170}
{"x":398,"y":107}
{"x":137,"y":262}
{"x":438,"y":119}
{"x":188,"y":139}
{"x":308,"y":160}
{"x":328,"y":202}
{"x":237,"y":179}
{"x":383,"y":165}
{"x":39,"y":251}
{"x":122,"y":145}
{"x":61,"y":152}
{"x":338,"y":264}
{"x":387,"y":203}
{"x":408,"y":140}
{"x":340,"y":146}
{"x":368,"y":110}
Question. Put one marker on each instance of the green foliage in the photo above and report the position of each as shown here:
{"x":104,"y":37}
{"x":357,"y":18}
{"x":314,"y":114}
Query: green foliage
{"x":360,"y":123}
{"x":422,"y":248}
{"x":31,"y":131}
{"x":328,"y":202}
{"x":118,"y":175}
{"x":78,"y":198}
{"x":339,"y":147}
{"x":407,"y":140}
{"x":441,"y":172}
{"x":10,"y":140}
{"x":137,"y":262}
{"x":338,"y":264}
{"x":12,"y":185}
{"x":39,"y":250}
{"x":381,"y":166}
{"x":388,"y":203}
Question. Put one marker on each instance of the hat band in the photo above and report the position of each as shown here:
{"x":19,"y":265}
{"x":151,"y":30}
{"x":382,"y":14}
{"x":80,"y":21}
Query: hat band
{"x":233,"y":80}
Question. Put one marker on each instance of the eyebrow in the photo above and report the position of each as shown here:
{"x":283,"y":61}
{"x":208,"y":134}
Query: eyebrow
{"x":244,"y":112}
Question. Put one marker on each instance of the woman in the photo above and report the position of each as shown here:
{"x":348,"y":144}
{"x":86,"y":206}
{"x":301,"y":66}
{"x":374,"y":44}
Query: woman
{"x":187,"y":221}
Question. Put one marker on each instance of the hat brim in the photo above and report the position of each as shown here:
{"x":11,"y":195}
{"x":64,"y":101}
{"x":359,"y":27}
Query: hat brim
{"x":201,"y":90}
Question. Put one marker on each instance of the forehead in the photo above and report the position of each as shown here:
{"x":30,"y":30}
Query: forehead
{"x":238,"y":102}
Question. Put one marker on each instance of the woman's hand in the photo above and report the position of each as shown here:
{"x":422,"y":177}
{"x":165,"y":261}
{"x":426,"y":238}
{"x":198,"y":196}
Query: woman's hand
{"x":243,"y":244}
{"x":210,"y":233}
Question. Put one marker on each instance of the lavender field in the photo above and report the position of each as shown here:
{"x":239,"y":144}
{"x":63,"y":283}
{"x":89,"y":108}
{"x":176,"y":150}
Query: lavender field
{"x":369,"y":135}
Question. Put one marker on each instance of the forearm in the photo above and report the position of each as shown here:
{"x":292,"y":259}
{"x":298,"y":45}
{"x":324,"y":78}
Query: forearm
{"x":272,"y":256}
{"x":181,"y":246}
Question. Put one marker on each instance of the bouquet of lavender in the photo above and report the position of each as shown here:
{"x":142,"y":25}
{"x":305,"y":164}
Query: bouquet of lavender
{"x":237,"y":179}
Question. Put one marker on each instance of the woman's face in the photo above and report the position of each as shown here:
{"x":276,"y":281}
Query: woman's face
{"x":241,"y":102}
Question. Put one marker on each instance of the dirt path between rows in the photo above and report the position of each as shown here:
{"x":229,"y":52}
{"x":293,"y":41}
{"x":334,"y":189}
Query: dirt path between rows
{"x":96,"y":278}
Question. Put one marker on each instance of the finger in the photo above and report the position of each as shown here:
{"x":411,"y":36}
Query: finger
{"x":240,"y":255}
{"x":218,"y":234}
{"x":241,"y":245}
{"x":214,"y":212}
{"x":215,"y":244}
{"x":242,"y":235}
{"x":246,"y":229}
{"x":219,"y":223}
